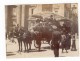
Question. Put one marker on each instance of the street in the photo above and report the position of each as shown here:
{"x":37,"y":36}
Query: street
{"x":12,"y":51}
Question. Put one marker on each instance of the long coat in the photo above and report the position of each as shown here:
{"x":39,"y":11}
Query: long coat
{"x":68,"y":41}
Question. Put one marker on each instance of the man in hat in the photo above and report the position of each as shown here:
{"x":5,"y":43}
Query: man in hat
{"x":56,"y":38}
{"x":51,"y":19}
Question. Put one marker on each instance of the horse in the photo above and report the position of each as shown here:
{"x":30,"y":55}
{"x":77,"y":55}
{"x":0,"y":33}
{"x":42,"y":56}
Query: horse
{"x":23,"y":36}
{"x":27,"y":39}
{"x":20,"y":39}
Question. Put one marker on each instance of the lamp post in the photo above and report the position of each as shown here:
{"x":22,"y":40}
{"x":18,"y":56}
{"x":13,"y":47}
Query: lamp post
{"x":73,"y":29}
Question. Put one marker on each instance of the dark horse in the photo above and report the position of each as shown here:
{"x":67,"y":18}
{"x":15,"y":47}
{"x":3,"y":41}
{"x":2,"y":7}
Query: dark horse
{"x":20,"y":38}
{"x":23,"y":36}
{"x":27,"y":39}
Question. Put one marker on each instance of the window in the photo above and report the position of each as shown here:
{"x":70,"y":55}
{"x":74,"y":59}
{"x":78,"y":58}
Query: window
{"x":47,"y":7}
{"x":14,"y":12}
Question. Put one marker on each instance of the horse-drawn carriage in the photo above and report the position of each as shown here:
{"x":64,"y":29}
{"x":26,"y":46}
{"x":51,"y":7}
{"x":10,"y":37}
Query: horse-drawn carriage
{"x":44,"y":29}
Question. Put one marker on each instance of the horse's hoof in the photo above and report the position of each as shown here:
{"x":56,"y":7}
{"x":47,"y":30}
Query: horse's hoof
{"x":24,"y":51}
{"x":66,"y":52}
{"x":29,"y":49}
{"x":39,"y":50}
{"x":18,"y":51}
{"x":21,"y":51}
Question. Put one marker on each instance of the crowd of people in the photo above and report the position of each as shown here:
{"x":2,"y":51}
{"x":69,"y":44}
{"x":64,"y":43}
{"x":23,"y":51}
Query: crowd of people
{"x":60,"y":36}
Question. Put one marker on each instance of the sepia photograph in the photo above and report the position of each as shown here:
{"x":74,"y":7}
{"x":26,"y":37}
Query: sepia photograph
{"x":42,"y":30}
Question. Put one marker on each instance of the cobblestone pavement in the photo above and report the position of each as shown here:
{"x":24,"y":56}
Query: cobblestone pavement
{"x":12,"y":51}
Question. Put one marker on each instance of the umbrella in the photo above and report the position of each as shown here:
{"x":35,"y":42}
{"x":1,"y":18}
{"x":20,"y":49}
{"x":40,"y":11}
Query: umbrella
{"x":37,"y":16}
{"x":67,"y":22}
{"x":47,"y":15}
{"x":31,"y":18}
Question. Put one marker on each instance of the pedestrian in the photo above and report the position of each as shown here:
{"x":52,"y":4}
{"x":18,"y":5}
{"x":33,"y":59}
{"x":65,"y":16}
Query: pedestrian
{"x":55,"y":43}
{"x":69,"y":40}
{"x":51,"y":20}
{"x":63,"y":39}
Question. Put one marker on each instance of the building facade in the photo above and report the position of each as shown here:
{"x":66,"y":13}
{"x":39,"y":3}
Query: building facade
{"x":47,"y":8}
{"x":16,"y":14}
{"x":19,"y":14}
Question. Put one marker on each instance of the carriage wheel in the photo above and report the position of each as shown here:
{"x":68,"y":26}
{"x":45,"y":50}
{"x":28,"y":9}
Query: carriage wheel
{"x":37,"y":44}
